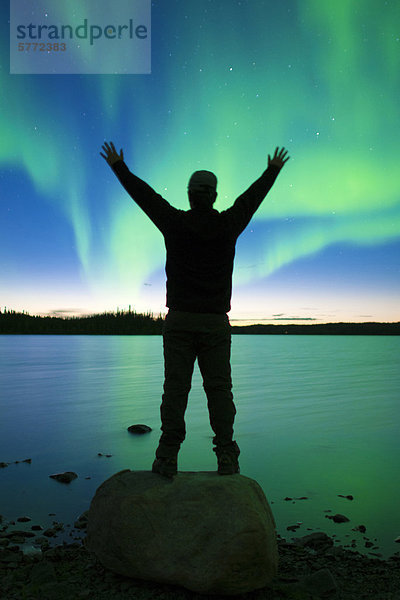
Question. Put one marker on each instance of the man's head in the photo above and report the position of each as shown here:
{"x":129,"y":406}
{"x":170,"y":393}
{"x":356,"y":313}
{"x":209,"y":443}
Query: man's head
{"x":202,"y":189}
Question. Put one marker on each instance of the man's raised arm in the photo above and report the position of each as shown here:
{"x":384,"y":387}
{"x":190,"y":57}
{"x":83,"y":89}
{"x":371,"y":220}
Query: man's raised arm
{"x":247,"y":203}
{"x":154,"y":205}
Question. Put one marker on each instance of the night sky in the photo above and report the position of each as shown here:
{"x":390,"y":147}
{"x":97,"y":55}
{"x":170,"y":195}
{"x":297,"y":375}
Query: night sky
{"x":230,"y":81}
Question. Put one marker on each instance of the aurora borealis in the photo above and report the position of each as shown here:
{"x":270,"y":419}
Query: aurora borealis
{"x":230,"y":81}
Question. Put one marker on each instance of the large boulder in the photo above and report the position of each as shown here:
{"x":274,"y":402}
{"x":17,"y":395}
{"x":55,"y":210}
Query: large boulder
{"x":206,"y":532}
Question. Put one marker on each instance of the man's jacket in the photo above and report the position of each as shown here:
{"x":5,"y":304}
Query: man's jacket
{"x":200,"y":242}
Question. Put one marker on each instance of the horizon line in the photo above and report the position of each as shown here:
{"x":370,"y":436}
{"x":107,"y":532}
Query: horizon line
{"x":55,"y":314}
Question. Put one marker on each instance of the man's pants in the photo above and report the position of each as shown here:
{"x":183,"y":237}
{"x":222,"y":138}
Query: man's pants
{"x":207,"y":337}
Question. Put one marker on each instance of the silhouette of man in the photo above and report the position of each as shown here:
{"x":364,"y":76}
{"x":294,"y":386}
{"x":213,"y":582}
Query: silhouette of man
{"x":200,"y":247}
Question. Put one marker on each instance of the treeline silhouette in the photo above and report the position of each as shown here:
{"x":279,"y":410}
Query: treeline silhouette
{"x":132,"y":323}
{"x":322,"y":329}
{"x":107,"y":323}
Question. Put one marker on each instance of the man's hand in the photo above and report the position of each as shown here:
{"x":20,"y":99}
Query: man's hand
{"x":111,"y":154}
{"x":278,"y":160}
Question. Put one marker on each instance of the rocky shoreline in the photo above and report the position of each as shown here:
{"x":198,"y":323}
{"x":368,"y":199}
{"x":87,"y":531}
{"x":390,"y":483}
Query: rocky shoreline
{"x":310,"y":567}
{"x":39,"y":564}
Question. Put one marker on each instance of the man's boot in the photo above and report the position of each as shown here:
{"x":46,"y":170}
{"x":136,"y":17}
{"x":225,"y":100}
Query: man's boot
{"x":166,"y":461}
{"x":227,"y":457}
{"x":168,"y":467}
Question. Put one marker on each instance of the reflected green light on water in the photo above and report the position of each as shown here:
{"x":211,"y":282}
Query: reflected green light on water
{"x":316,"y":417}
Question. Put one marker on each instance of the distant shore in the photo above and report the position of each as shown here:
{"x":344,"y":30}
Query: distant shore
{"x":321,"y":329}
{"x":132,"y":323}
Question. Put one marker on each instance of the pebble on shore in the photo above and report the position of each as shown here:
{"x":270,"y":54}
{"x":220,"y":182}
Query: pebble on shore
{"x":65,"y":477}
{"x":3,"y":465}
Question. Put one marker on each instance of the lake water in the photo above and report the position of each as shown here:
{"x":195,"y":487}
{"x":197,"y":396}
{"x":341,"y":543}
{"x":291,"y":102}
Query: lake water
{"x":317,"y":416}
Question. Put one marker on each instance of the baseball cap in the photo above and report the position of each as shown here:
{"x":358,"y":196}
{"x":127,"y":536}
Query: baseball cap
{"x":199,"y":179}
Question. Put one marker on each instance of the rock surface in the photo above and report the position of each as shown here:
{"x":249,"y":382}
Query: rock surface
{"x":202,"y":531}
{"x":65,"y":477}
{"x":139,"y":428}
{"x":338,"y":518}
{"x":316,"y":540}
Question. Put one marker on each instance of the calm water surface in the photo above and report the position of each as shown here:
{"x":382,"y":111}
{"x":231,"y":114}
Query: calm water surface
{"x":317,"y":416}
